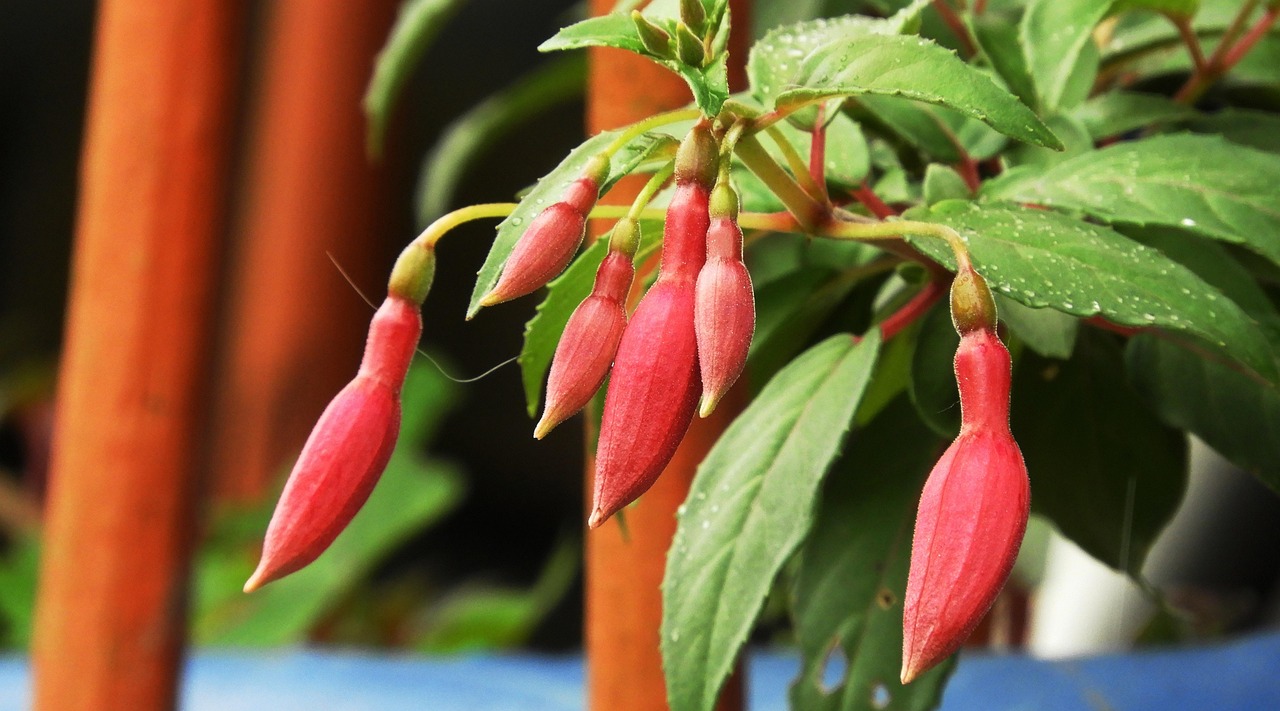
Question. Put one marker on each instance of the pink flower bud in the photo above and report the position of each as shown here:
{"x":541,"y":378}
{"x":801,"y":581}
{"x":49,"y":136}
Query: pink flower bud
{"x":588,"y":344}
{"x":655,"y":386}
{"x":972,"y":514}
{"x":548,"y":245}
{"x":725,"y":306}
{"x":346,"y":451}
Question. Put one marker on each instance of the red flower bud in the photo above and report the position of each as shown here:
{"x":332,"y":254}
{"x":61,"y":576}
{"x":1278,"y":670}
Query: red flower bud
{"x":972,"y":514}
{"x":549,"y":243}
{"x":725,"y":306}
{"x":346,"y":451}
{"x":588,"y":344}
{"x":655,"y":385}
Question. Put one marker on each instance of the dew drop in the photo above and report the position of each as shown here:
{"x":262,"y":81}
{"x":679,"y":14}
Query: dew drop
{"x":1188,"y":222}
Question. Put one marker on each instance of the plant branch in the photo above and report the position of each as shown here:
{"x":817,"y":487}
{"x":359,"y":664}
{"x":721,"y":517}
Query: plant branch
{"x":1232,"y":32}
{"x":630,"y":132}
{"x":818,"y":154}
{"x":893,"y":324}
{"x":868,"y":198}
{"x":448,"y":221}
{"x":1191,"y":40}
{"x":796,"y":163}
{"x":804,"y":208}
{"x":894,"y":229}
{"x":1225,"y":57}
{"x":956,"y":25}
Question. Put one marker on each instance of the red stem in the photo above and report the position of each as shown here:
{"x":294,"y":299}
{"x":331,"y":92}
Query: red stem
{"x":872,"y":202}
{"x":1223,"y":60}
{"x":1190,"y":39}
{"x":818,"y":153}
{"x":968,"y":169}
{"x":1246,"y":43}
{"x":912,"y":310}
{"x":956,"y":25}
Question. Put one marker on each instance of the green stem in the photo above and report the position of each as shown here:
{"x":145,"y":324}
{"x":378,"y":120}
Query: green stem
{"x":804,"y":208}
{"x":447,"y":222}
{"x":893,"y":229}
{"x":630,"y":132}
{"x":796,"y":163}
{"x":651,"y":188}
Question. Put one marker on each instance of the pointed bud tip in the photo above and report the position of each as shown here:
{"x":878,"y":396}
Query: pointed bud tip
{"x":545,"y":425}
{"x":493,"y":298}
{"x":257,"y":580}
{"x":707,"y":405}
{"x":597,"y":518}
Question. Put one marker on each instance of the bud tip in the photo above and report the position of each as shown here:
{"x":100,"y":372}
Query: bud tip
{"x":545,"y":425}
{"x":707,"y":404}
{"x":257,"y":580}
{"x":597,"y":518}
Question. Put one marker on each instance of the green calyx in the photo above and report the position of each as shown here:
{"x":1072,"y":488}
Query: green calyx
{"x":698,"y":156}
{"x":689,"y":47}
{"x":724,"y":201}
{"x":597,"y":169}
{"x":413,"y":273}
{"x":625,"y":237}
{"x":972,"y":306}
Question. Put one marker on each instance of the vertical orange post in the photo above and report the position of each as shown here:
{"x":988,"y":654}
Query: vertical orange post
{"x":110,"y":617}
{"x":294,"y":327}
{"x":623,"y":597}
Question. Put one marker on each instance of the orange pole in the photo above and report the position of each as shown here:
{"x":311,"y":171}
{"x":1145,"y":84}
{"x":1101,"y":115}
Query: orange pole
{"x":293,"y":326}
{"x":623,"y":576}
{"x":110,"y":617}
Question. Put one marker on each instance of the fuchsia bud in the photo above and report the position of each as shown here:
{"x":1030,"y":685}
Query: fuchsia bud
{"x":590,"y":339}
{"x":973,"y":510}
{"x":725,"y":306}
{"x":552,"y":238}
{"x":654,"y":388}
{"x":347,"y":450}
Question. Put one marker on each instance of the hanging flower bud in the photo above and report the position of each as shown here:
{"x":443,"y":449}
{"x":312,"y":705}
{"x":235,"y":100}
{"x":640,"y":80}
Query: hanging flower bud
{"x":346,"y":451}
{"x":725,"y":306}
{"x":973,"y":510}
{"x":655,"y":386}
{"x":552,"y":238}
{"x":590,"y":339}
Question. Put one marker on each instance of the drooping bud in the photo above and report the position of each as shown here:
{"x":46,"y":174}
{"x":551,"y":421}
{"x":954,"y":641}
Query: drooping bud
{"x":347,"y":450}
{"x":655,"y":386}
{"x":972,"y":306}
{"x":589,"y":342}
{"x":413,"y":273}
{"x":972,"y":514}
{"x":551,"y":240}
{"x":724,"y":307}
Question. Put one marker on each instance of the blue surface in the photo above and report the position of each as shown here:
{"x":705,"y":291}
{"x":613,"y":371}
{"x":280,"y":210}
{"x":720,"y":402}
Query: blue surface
{"x":1241,"y":676}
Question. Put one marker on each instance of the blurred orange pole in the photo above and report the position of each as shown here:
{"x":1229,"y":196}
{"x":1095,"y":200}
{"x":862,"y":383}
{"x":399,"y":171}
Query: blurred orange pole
{"x":110,"y":616}
{"x":293,"y":326}
{"x":623,"y":576}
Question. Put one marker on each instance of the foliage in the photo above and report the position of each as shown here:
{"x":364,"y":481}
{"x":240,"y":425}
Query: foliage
{"x":1093,"y":161}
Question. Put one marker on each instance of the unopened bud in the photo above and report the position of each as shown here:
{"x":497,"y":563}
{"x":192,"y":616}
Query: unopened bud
{"x":655,"y":40}
{"x":972,"y":307}
{"x":689,"y":47}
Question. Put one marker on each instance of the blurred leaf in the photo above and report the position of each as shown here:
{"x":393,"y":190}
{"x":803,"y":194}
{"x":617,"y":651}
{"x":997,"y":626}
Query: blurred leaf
{"x":1255,"y":129}
{"x":1102,"y":467}
{"x":1073,"y":134}
{"x":852,"y":576}
{"x":473,"y":133}
{"x":788,"y":312}
{"x":933,"y":382}
{"x":418,"y":25}
{"x":749,"y":507}
{"x":1043,"y":258}
{"x":998,"y":39}
{"x":1199,"y":183}
{"x":564,"y":293}
{"x":914,"y":68}
{"x":942,"y":182}
{"x":494,"y":618}
{"x":19,"y":570}
{"x":1118,"y":112}
{"x":1175,"y":8}
{"x":1048,"y":332}
{"x":412,"y":494}
{"x":1053,"y":34}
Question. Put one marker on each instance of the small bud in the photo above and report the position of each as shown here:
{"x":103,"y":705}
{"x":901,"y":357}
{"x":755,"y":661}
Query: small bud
{"x":413,"y":273}
{"x":625,"y":237}
{"x":724,"y":307}
{"x":698,"y":157}
{"x":655,"y":40}
{"x":693,"y":14}
{"x":347,"y":450}
{"x":972,"y":514}
{"x":548,"y":245}
{"x":972,"y":306}
{"x":689,"y":47}
{"x":588,"y":344}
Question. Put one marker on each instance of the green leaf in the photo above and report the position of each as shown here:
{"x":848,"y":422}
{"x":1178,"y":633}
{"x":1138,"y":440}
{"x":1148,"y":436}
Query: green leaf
{"x":1200,"y":183}
{"x":473,"y":133}
{"x":933,"y":388}
{"x":748,"y":509}
{"x":412,"y":494}
{"x":939,"y":132}
{"x":1119,"y":112}
{"x":1043,"y":258}
{"x":542,"y":332}
{"x":1173,"y":8}
{"x":1050,"y":333}
{"x":914,"y":68}
{"x":1255,"y":129}
{"x":709,"y":84}
{"x":548,"y":191}
{"x":417,"y":26}
{"x":1219,"y":405}
{"x":1102,"y":467}
{"x":848,"y":158}
{"x":1053,"y":33}
{"x":942,"y":182}
{"x":1073,"y":134}
{"x":999,"y":41}
{"x":852,"y":576}
{"x":775,"y":62}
